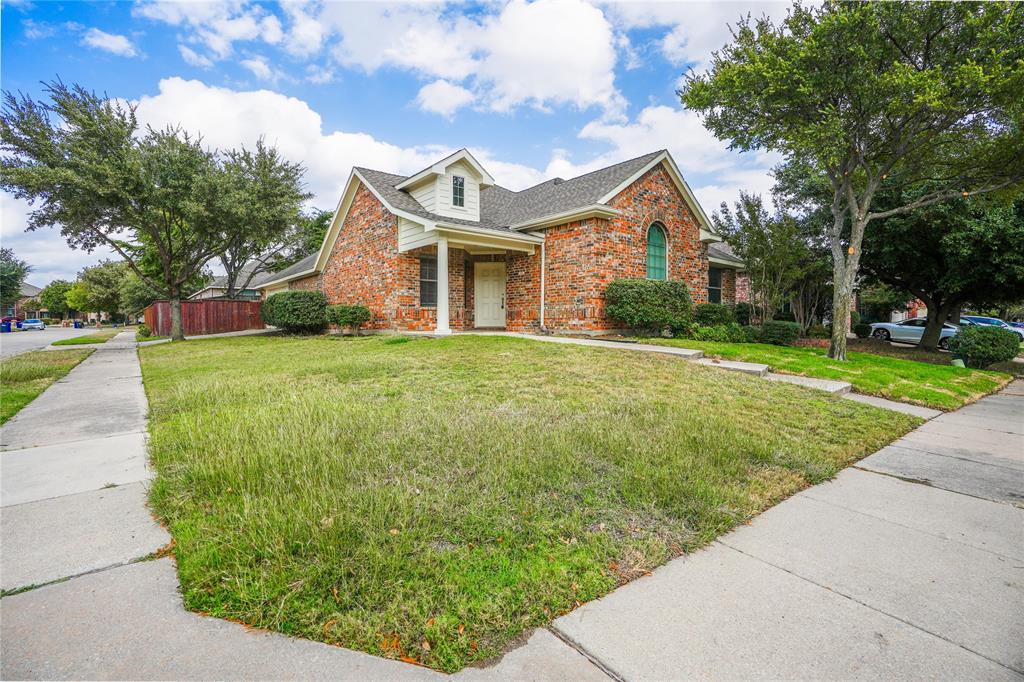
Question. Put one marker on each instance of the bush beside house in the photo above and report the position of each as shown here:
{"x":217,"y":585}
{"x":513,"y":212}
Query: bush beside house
{"x":348,"y":317}
{"x":780,"y":333}
{"x":296,"y":312}
{"x":649,"y":305}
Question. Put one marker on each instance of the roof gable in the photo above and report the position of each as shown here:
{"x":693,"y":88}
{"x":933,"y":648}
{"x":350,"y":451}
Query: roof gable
{"x":439,"y":168}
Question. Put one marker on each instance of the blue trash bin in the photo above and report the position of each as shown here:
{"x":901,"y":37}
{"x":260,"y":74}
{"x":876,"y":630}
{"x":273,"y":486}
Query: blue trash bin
{"x":5,"y":327}
{"x":78,"y":324}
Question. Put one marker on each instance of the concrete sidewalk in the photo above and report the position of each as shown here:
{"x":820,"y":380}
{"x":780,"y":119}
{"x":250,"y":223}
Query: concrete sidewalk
{"x":908,"y":565}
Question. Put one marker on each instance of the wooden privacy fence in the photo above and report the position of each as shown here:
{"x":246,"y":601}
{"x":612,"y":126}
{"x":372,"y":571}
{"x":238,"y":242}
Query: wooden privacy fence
{"x":205,"y":316}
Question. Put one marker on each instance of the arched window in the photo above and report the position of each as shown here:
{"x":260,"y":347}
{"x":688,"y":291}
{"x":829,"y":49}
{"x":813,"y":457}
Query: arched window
{"x":657,"y":253}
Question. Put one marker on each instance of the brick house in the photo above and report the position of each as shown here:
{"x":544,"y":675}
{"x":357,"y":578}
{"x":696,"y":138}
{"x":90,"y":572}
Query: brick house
{"x":448,"y":249}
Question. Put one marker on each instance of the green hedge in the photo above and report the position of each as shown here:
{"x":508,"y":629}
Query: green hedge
{"x":352,"y":316}
{"x":650,"y":305}
{"x":862,"y":330}
{"x":780,"y":333}
{"x":983,"y":346}
{"x":726,"y":333}
{"x":819,"y":331}
{"x":296,"y":312}
{"x":713,"y":314}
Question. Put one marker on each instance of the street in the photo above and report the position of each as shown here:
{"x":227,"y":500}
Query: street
{"x":20,"y":342}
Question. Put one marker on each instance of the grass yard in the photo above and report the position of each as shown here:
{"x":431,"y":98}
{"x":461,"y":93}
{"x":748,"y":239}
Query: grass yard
{"x":23,"y":377}
{"x":432,"y":499}
{"x":889,"y":375}
{"x":101,"y":336}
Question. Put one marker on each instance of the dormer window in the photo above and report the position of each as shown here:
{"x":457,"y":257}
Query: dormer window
{"x":458,"y":190}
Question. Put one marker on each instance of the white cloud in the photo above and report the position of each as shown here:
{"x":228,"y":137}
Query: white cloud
{"x":34,"y":30}
{"x":109,"y":42}
{"x":696,"y":28}
{"x":259,"y":67}
{"x":306,"y":34}
{"x":45,"y":250}
{"x":524,"y":54}
{"x":444,"y":98}
{"x":194,"y":58}
{"x":217,"y":25}
{"x":318,"y":74}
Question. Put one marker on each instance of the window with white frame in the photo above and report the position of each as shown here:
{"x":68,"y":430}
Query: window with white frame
{"x":458,"y":190}
{"x":428,"y":281}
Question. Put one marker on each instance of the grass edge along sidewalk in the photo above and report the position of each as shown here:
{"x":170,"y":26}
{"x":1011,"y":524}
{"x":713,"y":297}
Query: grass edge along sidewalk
{"x":23,"y":377}
{"x":942,"y":387}
{"x":101,"y":336}
{"x":433,"y":499}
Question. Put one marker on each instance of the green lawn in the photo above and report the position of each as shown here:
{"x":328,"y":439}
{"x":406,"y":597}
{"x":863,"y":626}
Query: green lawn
{"x":890,"y":375}
{"x":25,"y":376}
{"x":435,"y":498}
{"x":101,"y":336}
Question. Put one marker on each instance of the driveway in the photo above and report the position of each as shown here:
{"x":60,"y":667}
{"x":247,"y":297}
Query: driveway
{"x":22,"y":342}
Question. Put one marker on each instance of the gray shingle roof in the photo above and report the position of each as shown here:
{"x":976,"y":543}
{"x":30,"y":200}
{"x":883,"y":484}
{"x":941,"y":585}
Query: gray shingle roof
{"x":29,"y":290}
{"x":723,"y":252}
{"x":501,"y":208}
{"x":301,"y":266}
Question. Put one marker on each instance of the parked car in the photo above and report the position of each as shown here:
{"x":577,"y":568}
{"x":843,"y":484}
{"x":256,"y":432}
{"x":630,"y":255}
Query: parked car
{"x":33,"y":323}
{"x":911,"y":331}
{"x":1016,"y":325}
{"x":993,"y":322}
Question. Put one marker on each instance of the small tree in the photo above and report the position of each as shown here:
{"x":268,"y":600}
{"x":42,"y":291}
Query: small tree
{"x":769,"y":245}
{"x":53,"y":297}
{"x":12,"y":276}
{"x":260,"y":195}
{"x":103,"y":284}
{"x":872,"y":95}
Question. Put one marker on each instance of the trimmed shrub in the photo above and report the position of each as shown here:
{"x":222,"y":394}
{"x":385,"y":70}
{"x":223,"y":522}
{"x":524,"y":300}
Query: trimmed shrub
{"x":819,"y":331}
{"x":712,"y":314}
{"x":724,"y":333}
{"x":982,"y":346}
{"x":780,"y":333}
{"x":351,"y":316}
{"x":650,"y":305}
{"x":296,"y":312}
{"x":862,"y":330}
{"x":751,"y":334}
{"x":144,"y":331}
{"x":854,"y":318}
{"x":743,"y":313}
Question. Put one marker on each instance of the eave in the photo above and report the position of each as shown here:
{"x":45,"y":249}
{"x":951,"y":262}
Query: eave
{"x":553,"y":219}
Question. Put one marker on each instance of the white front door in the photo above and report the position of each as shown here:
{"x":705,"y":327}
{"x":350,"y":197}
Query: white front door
{"x":489,"y":294}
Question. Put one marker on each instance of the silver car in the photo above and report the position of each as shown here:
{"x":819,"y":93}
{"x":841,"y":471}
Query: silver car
{"x":993,"y":322}
{"x":33,"y":324}
{"x":911,"y":331}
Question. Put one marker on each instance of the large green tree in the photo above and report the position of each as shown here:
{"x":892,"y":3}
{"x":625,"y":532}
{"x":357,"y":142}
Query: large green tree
{"x":873,"y":96}
{"x":54,"y":295}
{"x":13,"y":272}
{"x":965,"y":250}
{"x":103,"y":284}
{"x":259,"y":200}
{"x":82,"y":160}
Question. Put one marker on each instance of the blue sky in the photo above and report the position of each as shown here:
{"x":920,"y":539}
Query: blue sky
{"x":535,"y":89}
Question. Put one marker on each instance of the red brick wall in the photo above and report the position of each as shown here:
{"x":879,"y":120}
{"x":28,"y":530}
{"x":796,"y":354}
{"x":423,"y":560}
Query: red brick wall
{"x":742,"y":287}
{"x":308,"y":283}
{"x":584,"y":257}
{"x":728,"y":287}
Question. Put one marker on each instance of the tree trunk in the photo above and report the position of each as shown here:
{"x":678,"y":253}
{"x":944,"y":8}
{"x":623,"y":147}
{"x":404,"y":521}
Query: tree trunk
{"x":937,"y":316}
{"x":844,"y":272}
{"x":177,"y":331}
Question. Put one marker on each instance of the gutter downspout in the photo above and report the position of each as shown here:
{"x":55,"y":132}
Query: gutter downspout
{"x":543,"y":329}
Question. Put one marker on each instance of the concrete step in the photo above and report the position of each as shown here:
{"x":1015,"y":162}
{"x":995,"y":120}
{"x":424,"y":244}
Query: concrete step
{"x":832,"y":387}
{"x":754,"y":368}
{"x":905,"y":408}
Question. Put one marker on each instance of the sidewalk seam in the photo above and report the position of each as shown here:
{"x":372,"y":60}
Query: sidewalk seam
{"x":929,"y":484}
{"x":940,"y":454}
{"x":868,"y":606}
{"x":910,"y":528}
{"x":582,"y":651}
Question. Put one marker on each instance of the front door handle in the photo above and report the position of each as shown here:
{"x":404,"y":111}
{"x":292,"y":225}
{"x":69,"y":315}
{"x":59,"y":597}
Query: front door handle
{"x":502,"y":302}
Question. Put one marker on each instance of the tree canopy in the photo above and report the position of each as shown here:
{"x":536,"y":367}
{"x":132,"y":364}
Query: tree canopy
{"x":54,"y":295}
{"x":13,"y":272}
{"x":966,"y":250}
{"x":873,"y":96}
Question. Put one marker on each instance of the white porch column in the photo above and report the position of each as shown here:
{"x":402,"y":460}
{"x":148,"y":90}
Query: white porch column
{"x":443,"y":325}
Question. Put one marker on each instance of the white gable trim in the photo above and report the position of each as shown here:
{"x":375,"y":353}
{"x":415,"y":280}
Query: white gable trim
{"x":439,"y":169}
{"x":707,"y":234}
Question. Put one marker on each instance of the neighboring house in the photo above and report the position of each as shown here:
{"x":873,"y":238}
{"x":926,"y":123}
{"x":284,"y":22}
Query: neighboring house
{"x":17,"y":309}
{"x":449,"y":249}
{"x":218,"y":287}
